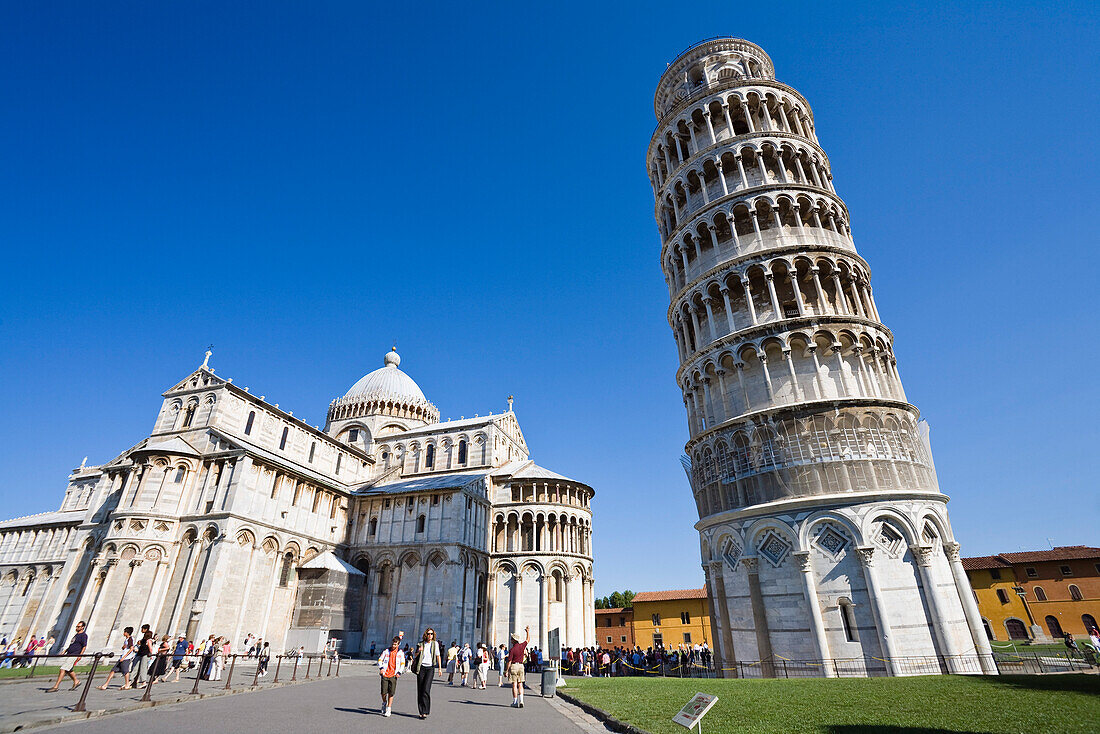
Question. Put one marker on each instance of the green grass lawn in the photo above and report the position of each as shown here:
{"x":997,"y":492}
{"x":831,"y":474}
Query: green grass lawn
{"x":1051,"y":704}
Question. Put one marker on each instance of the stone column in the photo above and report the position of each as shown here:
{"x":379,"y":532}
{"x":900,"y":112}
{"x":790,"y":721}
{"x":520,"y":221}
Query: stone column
{"x":748,"y":298}
{"x":708,"y":305}
{"x":710,"y":127}
{"x":729,"y":310}
{"x":970,"y":609}
{"x":242,"y":611}
{"x":726,"y":114}
{"x":133,"y":566}
{"x":923,"y":557}
{"x":759,"y":617}
{"x":842,"y":305}
{"x":720,"y":623}
{"x":544,"y":614}
{"x":878,"y":606}
{"x":793,"y":273}
{"x":741,"y":171}
{"x":817,"y":624}
{"x":769,"y":279}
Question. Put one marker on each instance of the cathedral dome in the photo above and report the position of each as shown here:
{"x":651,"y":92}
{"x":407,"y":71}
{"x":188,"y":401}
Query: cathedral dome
{"x":388,"y":382}
{"x":385,"y":392}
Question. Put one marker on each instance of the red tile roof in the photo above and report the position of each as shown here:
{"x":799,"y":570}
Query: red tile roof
{"x":616,"y":610}
{"x":1006,"y":560}
{"x":671,"y":595}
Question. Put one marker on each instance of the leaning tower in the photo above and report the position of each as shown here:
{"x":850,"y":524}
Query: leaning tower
{"x":824,"y":534}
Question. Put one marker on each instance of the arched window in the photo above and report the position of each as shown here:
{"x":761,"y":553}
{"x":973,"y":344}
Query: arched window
{"x":373,"y":527}
{"x":1002,"y":596}
{"x":282,"y":441}
{"x":353,"y":435}
{"x":556,"y":591}
{"x":249,"y":422}
{"x":1016,"y":629}
{"x":988,"y":629}
{"x":1075,"y":593}
{"x":429,"y":457}
{"x":462,"y":451}
{"x":288,"y":566}
{"x":1090,"y":622}
{"x":420,"y":524}
{"x":180,"y":473}
{"x":1040,"y":595}
{"x":189,"y":415}
{"x":848,"y":619}
{"x":1053,"y":626}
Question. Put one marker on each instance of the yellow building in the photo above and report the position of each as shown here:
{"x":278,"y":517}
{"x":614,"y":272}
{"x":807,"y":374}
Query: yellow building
{"x":1037,"y":595}
{"x":672,"y":618}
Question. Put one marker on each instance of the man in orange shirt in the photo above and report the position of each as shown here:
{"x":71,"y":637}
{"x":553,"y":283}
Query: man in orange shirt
{"x":391,"y":665}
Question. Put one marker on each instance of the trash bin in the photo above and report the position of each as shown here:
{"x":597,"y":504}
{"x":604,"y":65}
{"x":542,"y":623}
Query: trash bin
{"x":549,"y":682}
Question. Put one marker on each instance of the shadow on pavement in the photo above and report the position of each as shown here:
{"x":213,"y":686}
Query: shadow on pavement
{"x":484,"y":703}
{"x":372,"y":712}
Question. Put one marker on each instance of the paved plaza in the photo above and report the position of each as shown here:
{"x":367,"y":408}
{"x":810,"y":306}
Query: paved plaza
{"x":349,"y":702}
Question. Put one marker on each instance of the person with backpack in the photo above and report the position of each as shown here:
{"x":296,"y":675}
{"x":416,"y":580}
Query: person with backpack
{"x":390,"y":667}
{"x":465,"y":655}
{"x":481,"y":660}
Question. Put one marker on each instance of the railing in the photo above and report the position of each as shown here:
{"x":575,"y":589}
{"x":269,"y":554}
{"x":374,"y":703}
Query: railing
{"x":868,"y":667}
{"x":206,"y":668}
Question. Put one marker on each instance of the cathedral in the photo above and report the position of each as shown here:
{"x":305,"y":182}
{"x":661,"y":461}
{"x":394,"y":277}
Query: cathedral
{"x":234,"y":517}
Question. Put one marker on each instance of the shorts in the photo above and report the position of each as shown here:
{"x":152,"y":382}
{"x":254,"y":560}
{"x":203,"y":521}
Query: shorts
{"x":179,"y":664}
{"x":464,"y":668}
{"x":123,"y":666}
{"x":389,"y":686}
{"x":516,"y":673}
{"x":68,"y":664}
{"x":450,"y":666}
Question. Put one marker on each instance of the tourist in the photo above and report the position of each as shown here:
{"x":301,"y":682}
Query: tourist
{"x":264,"y":657}
{"x":159,"y":669}
{"x":427,"y":661}
{"x":144,"y":651}
{"x":1071,"y":644}
{"x":75,"y":649}
{"x":502,"y":664}
{"x":464,"y":657}
{"x":390,"y":667}
{"x":515,"y":666}
{"x":179,"y":655}
{"x":481,"y":672}
{"x":452,"y":662}
{"x":125,"y":658}
{"x":9,"y":652}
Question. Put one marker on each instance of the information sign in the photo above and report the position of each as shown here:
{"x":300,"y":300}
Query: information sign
{"x":694,"y":710}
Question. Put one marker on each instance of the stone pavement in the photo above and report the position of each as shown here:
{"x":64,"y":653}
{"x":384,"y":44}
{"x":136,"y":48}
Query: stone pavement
{"x":350,"y":704}
{"x":26,"y":704}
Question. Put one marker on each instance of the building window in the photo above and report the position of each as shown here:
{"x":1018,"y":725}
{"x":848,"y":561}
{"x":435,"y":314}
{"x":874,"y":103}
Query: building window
{"x":1089,"y":621}
{"x":288,"y":566}
{"x":189,"y":415}
{"x":1040,"y":595}
{"x":1054,"y":627}
{"x":420,"y":524}
{"x":988,"y":629}
{"x":1031,"y":572}
{"x":386,"y":503}
{"x":312,"y":450}
{"x":555,"y":586}
{"x":1002,"y":596}
{"x":373,"y":526}
{"x":462,"y":457}
{"x":339,"y":457}
{"x":656,"y":620}
{"x":623,"y":638}
{"x":687,"y":638}
{"x":995,"y":574}
{"x":848,"y":619}
{"x":316,"y":500}
{"x":429,"y":457}
{"x":685,"y":618}
{"x":180,"y":472}
{"x":1065,"y":570}
{"x":622,"y":621}
{"x":1097,"y":567}
{"x":658,"y":639}
{"x":282,"y":441}
{"x":1074,"y":592}
{"x":435,"y":499}
{"x":249,"y":422}
{"x":353,"y":435}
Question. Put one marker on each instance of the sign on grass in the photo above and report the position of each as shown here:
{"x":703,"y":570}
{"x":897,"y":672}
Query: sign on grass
{"x":694,"y":710}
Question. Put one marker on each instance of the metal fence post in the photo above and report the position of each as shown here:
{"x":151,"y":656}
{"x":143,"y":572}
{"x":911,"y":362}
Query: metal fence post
{"x":337,"y":667}
{"x":278,"y":662}
{"x":256,"y":677}
{"x":229,"y":678}
{"x":309,"y":661}
{"x":204,"y":660}
{"x":294,"y":676}
{"x":80,"y":706}
{"x":149,"y":686}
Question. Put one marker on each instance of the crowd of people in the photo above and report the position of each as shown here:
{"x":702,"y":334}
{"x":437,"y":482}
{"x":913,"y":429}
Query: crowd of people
{"x":622,"y":661}
{"x":143,"y":656}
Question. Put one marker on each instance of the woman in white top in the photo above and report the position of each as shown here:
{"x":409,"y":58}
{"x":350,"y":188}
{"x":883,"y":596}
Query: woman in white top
{"x":426,"y":661}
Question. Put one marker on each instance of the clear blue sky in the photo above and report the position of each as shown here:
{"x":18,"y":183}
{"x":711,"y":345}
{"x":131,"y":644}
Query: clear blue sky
{"x":300,"y":184}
